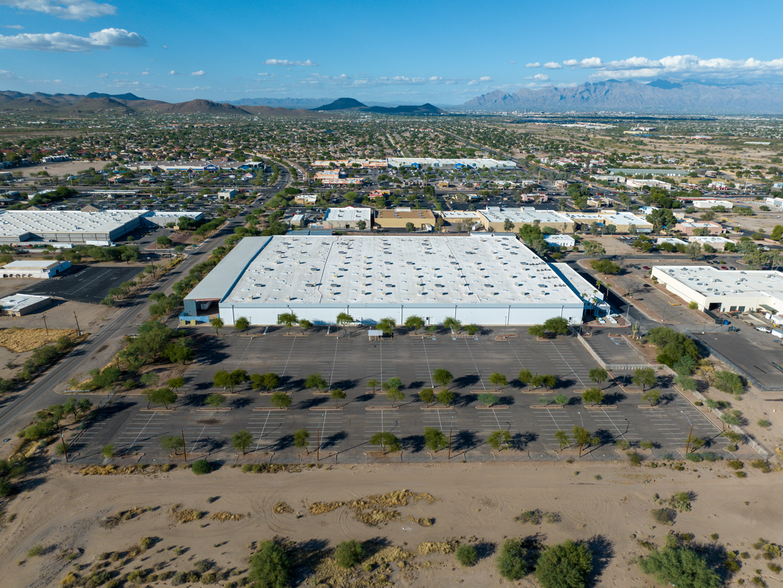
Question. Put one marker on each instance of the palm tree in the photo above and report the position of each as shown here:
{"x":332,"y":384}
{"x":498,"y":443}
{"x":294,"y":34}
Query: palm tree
{"x":287,"y":319}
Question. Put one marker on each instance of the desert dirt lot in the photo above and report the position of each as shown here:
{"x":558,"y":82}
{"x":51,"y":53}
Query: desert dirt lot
{"x":606,"y":505}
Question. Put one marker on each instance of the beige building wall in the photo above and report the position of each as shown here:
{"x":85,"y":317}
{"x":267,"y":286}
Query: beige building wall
{"x":397,"y":219}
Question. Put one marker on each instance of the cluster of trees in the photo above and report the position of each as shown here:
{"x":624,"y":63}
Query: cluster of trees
{"x":164,"y":305}
{"x":565,"y":565}
{"x":41,"y":358}
{"x":605,"y":266}
{"x":673,"y":347}
{"x":551,"y":328}
{"x":533,"y":237}
{"x":197,"y":273}
{"x":155,"y":343}
{"x":10,"y":469}
{"x":48,"y":420}
{"x":210,"y":226}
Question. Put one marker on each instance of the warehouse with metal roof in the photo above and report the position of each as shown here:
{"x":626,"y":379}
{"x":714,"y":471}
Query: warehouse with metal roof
{"x":99,"y":228}
{"x":482,"y":278}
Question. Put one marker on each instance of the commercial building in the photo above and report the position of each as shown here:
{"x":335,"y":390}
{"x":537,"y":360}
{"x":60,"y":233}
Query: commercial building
{"x":42,"y":270}
{"x":22,"y":304}
{"x":643,"y":171}
{"x":398,"y":218}
{"x":348,"y":218}
{"x":622,"y":221}
{"x":337,"y":178}
{"x":366,"y":163}
{"x":305,"y":199}
{"x":161,"y":218}
{"x":560,"y":240}
{"x":494,"y":218}
{"x":482,"y":278}
{"x":687,"y":228}
{"x":727,"y":204}
{"x":719,"y":243}
{"x":727,"y":291}
{"x":450,"y":163}
{"x":226,"y":194}
{"x":468,"y":218}
{"x":90,"y":228}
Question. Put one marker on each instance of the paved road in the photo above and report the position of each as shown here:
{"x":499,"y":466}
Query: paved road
{"x":18,"y":408}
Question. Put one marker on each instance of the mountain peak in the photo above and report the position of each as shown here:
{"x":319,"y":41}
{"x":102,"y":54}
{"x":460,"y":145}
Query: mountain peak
{"x":342,"y":104}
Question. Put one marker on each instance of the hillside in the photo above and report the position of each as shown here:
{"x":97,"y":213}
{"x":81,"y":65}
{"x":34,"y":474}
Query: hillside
{"x":342,"y":104}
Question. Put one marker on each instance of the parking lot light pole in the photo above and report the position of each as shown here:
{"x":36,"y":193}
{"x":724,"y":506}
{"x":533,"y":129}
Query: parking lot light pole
{"x":451,"y":428}
{"x":184,"y":446}
{"x":581,"y":434}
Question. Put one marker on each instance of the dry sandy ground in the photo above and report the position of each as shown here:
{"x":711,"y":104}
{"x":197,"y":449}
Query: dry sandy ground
{"x":475,"y":501}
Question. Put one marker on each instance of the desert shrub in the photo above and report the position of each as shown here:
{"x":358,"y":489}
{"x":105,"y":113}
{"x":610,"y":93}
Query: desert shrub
{"x":741,"y":474}
{"x":145,"y":543}
{"x":512,"y":561}
{"x":680,"y":566}
{"x":179,"y":578}
{"x":764,"y":423}
{"x":762,"y":465}
{"x":466,"y":555}
{"x":695,"y":457}
{"x":349,"y":553}
{"x":735,"y":464}
{"x":203,"y":565}
{"x":634,"y":458}
{"x":201,"y":466}
{"x":566,"y":565}
{"x":662,"y":515}
{"x":269,"y":566}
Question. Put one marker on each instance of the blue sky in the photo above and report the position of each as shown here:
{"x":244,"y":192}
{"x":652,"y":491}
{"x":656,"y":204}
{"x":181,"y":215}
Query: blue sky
{"x":392,"y":51}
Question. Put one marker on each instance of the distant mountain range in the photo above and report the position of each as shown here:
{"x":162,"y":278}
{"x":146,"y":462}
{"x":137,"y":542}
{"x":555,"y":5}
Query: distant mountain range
{"x":351,"y":104}
{"x":660,"y":96}
{"x":74,"y":104}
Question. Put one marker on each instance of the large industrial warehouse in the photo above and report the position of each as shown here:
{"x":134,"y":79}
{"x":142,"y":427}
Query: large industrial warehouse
{"x":482,"y":278}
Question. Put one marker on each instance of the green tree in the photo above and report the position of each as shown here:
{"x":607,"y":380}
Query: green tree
{"x":562,"y":439}
{"x":344,"y":319}
{"x":164,"y":396}
{"x":729,"y":382}
{"x":566,"y":565}
{"x":395,"y":395}
{"x":445,"y":397}
{"x":175,"y":383}
{"x":427,"y":395}
{"x":644,"y":377}
{"x":387,"y":325}
{"x":593,"y":396}
{"x":280,"y":400}
{"x":508,"y":226}
{"x":680,"y":566}
{"x":108,"y":451}
{"x":392,"y":383}
{"x":498,"y":379}
{"x":537,"y":331}
{"x":241,"y":440}
{"x":217,"y":324}
{"x":373,"y":383}
{"x":242,"y":324}
{"x":524,"y":377}
{"x":386,"y":440}
{"x":316,"y":381}
{"x":488,"y":398}
{"x":442,"y":377}
{"x":268,"y":381}
{"x":435,"y":439}
{"x":349,"y":553}
{"x":582,"y":437}
{"x":269,"y":566}
{"x":337,"y":394}
{"x":452,"y":324}
{"x":556,"y":325}
{"x":215,"y":400}
{"x":305,"y":325}
{"x":410,"y":227}
{"x":300,"y":439}
{"x":593,"y":249}
{"x":172,"y":443}
{"x":512,"y":561}
{"x":660,"y":219}
{"x":414,"y":323}
{"x":499,"y":439}
{"x":598,"y":375}
{"x":287,"y":319}
{"x":653,"y":397}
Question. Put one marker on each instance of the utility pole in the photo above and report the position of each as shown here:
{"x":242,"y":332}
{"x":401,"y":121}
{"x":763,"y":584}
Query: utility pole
{"x":184,"y":446}
{"x":451,"y":428}
{"x":45,"y":327}
{"x":78,"y":330}
{"x":688,"y":443}
{"x":65,"y":447}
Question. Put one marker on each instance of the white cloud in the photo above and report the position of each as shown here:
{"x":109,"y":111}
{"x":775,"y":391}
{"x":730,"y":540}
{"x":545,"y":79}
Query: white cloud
{"x":7,"y":75}
{"x":65,"y":42}
{"x":539,"y":77}
{"x":195,"y":89}
{"x":200,"y":72}
{"x":553,"y":65}
{"x":173,"y":73}
{"x":485,"y":79}
{"x":263,"y":74}
{"x":17,"y":27}
{"x":534,"y":64}
{"x":512,"y":61}
{"x":145,"y":73}
{"x":678,"y":65}
{"x":70,"y":9}
{"x":103,"y":75}
{"x":286,"y":62}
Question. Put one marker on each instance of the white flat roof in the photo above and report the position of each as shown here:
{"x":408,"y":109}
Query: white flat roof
{"x":578,"y":283}
{"x":16,"y":222}
{"x":709,"y":239}
{"x":459,"y":214}
{"x":523,"y":215}
{"x":174,"y":213}
{"x":32,"y":264}
{"x":16,"y":302}
{"x":713,"y":282}
{"x":477,"y":269}
{"x":478,"y":162}
{"x":672,"y":240}
{"x":609,"y":217}
{"x":348,"y":214}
